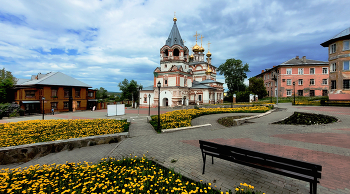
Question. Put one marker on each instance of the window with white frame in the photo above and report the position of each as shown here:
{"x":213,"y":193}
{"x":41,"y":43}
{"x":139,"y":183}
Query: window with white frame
{"x":264,"y":77}
{"x":289,"y":72}
{"x":312,"y":81}
{"x":300,"y":81}
{"x":300,"y":71}
{"x":346,"y":65}
{"x":346,"y":45}
{"x":268,"y":76}
{"x":324,"y":70}
{"x":332,"y":48}
{"x":289,"y":82}
{"x":324,"y":81}
{"x":289,"y":92}
{"x":275,"y":83}
{"x":333,"y":67}
{"x":312,"y":70}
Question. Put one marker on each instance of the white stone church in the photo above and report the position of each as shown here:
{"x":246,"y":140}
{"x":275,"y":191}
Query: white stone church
{"x":184,"y":79}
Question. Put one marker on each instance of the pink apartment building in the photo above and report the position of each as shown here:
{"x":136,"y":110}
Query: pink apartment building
{"x":309,"y":76}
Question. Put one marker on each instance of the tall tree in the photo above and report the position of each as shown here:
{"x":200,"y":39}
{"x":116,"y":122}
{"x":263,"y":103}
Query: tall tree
{"x":129,"y":90}
{"x":101,"y":93}
{"x":7,"y":82}
{"x":235,"y":72}
{"x":256,"y":86}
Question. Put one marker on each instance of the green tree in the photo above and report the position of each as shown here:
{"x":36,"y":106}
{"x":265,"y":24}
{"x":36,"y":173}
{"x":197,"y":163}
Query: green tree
{"x":235,"y":72}
{"x":256,"y":86}
{"x":101,"y":93}
{"x":129,"y":90}
{"x":7,"y":82}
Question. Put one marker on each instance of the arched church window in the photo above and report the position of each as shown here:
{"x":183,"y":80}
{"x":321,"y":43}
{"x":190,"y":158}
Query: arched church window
{"x":166,"y":52}
{"x":176,"y":52}
{"x":165,"y":81}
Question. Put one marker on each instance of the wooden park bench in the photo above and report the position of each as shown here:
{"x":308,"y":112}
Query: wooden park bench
{"x":283,"y":166}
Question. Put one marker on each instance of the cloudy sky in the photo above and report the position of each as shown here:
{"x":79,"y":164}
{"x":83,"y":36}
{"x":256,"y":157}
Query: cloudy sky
{"x":103,"y":42}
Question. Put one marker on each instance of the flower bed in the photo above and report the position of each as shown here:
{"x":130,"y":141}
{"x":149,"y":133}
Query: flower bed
{"x":34,"y":131}
{"x":300,"y":118}
{"x":129,"y":175}
{"x":182,"y":118}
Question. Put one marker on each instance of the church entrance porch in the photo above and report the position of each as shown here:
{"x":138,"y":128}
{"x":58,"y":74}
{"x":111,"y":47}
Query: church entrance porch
{"x":165,"y":102}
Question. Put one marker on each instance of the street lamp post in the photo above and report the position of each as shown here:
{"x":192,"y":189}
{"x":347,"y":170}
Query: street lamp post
{"x":294,"y":91}
{"x":138,"y":111}
{"x":43,"y":99}
{"x":275,"y":79}
{"x":271,"y":94}
{"x":149,"y":104}
{"x":158,"y":85}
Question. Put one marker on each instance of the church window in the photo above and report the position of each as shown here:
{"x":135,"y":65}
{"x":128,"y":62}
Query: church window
{"x":166,"y":52}
{"x":199,"y":97}
{"x":176,"y":52}
{"x":165,"y":81}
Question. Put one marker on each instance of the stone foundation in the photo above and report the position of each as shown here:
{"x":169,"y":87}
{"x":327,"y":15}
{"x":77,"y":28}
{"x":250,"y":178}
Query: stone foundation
{"x":25,"y":153}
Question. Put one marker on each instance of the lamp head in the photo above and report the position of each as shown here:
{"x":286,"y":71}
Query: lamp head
{"x":149,"y":95}
{"x":43,"y":98}
{"x":159,"y":84}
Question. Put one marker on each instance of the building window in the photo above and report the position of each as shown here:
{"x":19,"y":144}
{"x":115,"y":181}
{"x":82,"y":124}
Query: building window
{"x":54,"y":105}
{"x":289,"y":82}
{"x":324,"y":92}
{"x":333,"y":67}
{"x":90,"y":94}
{"x":165,"y":82}
{"x":312,"y":70}
{"x":346,"y":84}
{"x":54,"y":92}
{"x":346,"y":45}
{"x":78,"y":104}
{"x":77,"y":92}
{"x":289,"y":72}
{"x":300,"y":92}
{"x":346,"y":65}
{"x":332,"y":48}
{"x":65,"y":104}
{"x":199,"y":97}
{"x":312,"y":81}
{"x":300,"y":81}
{"x":312,"y":92}
{"x":333,"y":84}
{"x":30,"y":93}
{"x":325,"y":82}
{"x":324,"y":70}
{"x":66,"y":92}
{"x":300,"y":71}
{"x":264,"y":77}
{"x":268,"y":76}
{"x":289,"y":92}
{"x":145,"y":99}
{"x":275,"y":83}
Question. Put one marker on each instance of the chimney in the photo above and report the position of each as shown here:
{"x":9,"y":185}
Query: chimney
{"x":262,"y":71}
{"x":304,"y":59}
{"x":297,"y":57}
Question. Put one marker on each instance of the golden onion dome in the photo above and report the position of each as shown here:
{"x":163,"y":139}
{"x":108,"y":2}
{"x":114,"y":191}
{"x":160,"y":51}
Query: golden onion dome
{"x":208,"y":54}
{"x":208,"y":71}
{"x":201,"y":49}
{"x":191,"y":57}
{"x":196,"y":48}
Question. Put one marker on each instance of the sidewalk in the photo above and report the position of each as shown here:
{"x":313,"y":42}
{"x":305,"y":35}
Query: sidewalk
{"x":326,"y":145}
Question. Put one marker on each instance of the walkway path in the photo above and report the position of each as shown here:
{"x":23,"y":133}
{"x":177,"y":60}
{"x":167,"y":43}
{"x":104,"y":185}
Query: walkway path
{"x":326,"y":145}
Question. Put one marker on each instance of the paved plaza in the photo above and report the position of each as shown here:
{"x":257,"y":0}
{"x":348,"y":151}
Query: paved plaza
{"x":327,"y":145}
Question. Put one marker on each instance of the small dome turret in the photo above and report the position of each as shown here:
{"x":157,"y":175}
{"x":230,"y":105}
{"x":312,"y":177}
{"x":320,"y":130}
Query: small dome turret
{"x":196,"y":48}
{"x":208,"y":54}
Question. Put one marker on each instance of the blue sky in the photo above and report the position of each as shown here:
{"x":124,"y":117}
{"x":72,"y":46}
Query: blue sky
{"x":103,"y":42}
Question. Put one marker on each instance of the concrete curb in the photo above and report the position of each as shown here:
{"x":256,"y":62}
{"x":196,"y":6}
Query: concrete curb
{"x":183,"y":128}
{"x":25,"y":153}
{"x":243,"y":120}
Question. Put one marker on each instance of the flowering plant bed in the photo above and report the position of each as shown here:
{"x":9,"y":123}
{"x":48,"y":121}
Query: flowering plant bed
{"x":182,"y":118}
{"x":300,"y":118}
{"x":34,"y":131}
{"x":129,"y":175}
{"x":229,"y":121}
